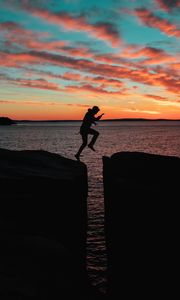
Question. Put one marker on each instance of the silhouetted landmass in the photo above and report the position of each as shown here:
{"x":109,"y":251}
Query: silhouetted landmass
{"x":138,"y":119}
{"x":43,"y":222}
{"x":6,"y":121}
{"x":141,"y":193}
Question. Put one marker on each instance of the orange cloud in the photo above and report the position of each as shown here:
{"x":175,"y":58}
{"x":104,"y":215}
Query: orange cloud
{"x":38,"y":45}
{"x":151,"y":20}
{"x":156,"y":97}
{"x":141,"y":74}
{"x":93,"y":89}
{"x":154,"y":55}
{"x":103,"y":81}
{"x":102,"y":31}
{"x":175,"y":67}
{"x":13,"y":30}
{"x":16,"y":60}
{"x":97,"y":80}
{"x":30,"y":83}
{"x":168,"y":5}
{"x":78,"y":52}
{"x":39,"y":84}
{"x":14,"y":33}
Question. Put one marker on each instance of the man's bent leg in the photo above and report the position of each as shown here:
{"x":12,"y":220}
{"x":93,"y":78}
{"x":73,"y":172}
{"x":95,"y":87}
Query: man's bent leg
{"x":94,"y":138}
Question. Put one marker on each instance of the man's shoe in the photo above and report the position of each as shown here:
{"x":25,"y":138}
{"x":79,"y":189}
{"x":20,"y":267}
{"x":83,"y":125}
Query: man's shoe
{"x":91,"y":147}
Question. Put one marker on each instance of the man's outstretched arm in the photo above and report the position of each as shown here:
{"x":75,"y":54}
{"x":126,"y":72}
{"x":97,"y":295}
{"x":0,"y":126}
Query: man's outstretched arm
{"x":99,"y":117}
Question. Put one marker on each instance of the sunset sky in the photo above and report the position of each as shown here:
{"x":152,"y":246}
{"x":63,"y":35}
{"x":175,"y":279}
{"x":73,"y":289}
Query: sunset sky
{"x":59,"y":57}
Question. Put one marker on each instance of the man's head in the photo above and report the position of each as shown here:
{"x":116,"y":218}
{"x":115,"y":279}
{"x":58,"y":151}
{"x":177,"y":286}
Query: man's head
{"x":95,"y":109}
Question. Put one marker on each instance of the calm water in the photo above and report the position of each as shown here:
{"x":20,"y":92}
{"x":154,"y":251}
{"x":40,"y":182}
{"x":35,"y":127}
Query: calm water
{"x":63,"y":138}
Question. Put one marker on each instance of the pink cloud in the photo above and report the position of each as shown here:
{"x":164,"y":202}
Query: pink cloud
{"x":13,"y":29}
{"x":16,"y":60}
{"x":32,"y":83}
{"x":38,"y":45}
{"x":145,"y":51}
{"x":102,"y":31}
{"x":95,"y":80}
{"x":93,"y":89}
{"x":77,"y":52}
{"x":141,"y":74}
{"x":154,"y":55}
{"x":168,"y":5}
{"x":151,"y":20}
{"x":39,"y":84}
{"x":175,"y":67}
{"x":69,"y":76}
{"x":14,"y":33}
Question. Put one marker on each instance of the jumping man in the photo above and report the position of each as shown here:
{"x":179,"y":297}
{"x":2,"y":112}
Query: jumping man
{"x":86,"y":129}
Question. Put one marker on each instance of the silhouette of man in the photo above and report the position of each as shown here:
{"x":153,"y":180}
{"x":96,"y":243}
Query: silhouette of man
{"x":86,"y":129}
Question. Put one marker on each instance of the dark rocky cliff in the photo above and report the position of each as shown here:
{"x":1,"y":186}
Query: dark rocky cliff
{"x":43,"y":218}
{"x":141,"y":194}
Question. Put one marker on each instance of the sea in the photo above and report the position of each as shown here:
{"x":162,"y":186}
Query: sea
{"x":158,"y":137}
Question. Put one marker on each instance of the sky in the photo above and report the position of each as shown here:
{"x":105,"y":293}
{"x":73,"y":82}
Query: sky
{"x":60,"y":57}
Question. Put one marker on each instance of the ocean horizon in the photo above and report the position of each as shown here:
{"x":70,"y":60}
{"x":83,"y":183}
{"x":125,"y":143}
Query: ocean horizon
{"x":102,"y":120}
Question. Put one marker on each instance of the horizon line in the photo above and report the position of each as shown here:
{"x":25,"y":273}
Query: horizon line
{"x":104,"y":120}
